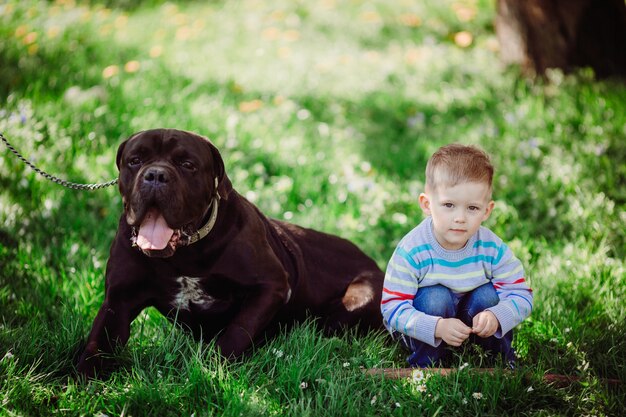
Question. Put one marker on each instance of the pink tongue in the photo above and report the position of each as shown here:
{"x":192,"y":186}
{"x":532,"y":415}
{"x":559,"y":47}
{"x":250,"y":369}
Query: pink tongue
{"x":154,"y":233}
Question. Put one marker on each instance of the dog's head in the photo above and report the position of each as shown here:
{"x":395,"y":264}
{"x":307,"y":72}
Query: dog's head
{"x":168,"y":180}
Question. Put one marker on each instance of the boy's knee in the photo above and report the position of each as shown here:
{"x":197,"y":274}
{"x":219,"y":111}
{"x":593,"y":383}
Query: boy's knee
{"x":478,"y":300}
{"x":485,"y":296}
{"x":435,"y":300}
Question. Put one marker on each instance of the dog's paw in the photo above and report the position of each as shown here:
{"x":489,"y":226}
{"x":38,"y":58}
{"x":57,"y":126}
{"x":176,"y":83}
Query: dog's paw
{"x":234,"y":342}
{"x":90,"y":363}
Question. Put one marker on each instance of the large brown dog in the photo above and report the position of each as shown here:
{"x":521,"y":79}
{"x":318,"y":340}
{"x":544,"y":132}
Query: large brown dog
{"x":205,"y":257}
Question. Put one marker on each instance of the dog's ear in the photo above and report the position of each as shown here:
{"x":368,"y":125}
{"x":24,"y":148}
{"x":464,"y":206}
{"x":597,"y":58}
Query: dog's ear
{"x":120,"y":150}
{"x":224,"y":186}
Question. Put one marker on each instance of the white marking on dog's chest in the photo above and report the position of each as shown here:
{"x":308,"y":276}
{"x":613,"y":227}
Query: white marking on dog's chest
{"x":191,"y":292}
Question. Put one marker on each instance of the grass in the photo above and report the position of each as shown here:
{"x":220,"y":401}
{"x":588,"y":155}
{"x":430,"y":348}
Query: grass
{"x":325,"y":113}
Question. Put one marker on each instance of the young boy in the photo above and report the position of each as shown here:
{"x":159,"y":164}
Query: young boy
{"x":451,"y":279}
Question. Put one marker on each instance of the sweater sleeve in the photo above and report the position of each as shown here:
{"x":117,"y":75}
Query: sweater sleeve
{"x":399,"y":289}
{"x":516,"y":297}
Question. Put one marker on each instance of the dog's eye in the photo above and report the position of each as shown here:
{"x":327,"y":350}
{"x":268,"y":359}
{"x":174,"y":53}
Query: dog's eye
{"x":188,"y":165}
{"x":134,"y":161}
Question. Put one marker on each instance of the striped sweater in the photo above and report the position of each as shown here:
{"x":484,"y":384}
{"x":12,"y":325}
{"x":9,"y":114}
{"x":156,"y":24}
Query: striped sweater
{"x":420,"y":261}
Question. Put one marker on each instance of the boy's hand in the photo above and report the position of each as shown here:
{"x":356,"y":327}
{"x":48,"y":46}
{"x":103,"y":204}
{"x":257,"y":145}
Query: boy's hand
{"x":452,"y":331}
{"x":485,"y":324}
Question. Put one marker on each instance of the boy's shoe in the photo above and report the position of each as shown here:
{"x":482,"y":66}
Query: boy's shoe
{"x":412,"y":361}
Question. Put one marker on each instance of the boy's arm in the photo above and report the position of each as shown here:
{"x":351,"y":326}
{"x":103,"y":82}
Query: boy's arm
{"x":516,"y":297}
{"x":399,"y":289}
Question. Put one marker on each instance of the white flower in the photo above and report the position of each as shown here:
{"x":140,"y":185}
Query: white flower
{"x":418,"y":375}
{"x":530,"y":389}
{"x":304,"y":385}
{"x":278,"y":353}
{"x":398,"y":405}
{"x":346,"y":364}
{"x":567,"y":330}
{"x":478,"y":395}
{"x":421,"y":387}
{"x":8,"y":355}
{"x":465,"y":365}
{"x":373,"y":400}
{"x":464,"y":401}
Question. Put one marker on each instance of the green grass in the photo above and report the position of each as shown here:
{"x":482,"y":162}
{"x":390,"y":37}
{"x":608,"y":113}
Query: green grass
{"x":325,"y":113}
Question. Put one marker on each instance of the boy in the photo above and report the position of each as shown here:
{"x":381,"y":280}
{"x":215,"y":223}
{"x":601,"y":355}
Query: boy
{"x":450,"y":279}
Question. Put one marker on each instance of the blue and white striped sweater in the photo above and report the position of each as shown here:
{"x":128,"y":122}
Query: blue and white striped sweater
{"x":420,"y":261}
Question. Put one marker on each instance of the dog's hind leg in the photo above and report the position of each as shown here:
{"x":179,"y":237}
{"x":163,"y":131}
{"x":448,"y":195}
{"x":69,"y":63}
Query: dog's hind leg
{"x":360,"y":304}
{"x":359,"y":293}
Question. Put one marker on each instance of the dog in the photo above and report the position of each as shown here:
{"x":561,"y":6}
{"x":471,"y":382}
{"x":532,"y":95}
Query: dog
{"x":205,"y":257}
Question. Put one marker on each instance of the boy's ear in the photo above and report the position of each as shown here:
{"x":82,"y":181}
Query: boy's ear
{"x":489,"y":209}
{"x":424,"y":203}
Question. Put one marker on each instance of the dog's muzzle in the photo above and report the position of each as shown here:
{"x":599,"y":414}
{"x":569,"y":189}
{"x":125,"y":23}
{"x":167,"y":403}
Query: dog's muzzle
{"x":156,"y":239}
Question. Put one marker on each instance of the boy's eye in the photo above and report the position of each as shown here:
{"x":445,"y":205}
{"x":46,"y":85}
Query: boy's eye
{"x":474,"y":208}
{"x":448,"y":205}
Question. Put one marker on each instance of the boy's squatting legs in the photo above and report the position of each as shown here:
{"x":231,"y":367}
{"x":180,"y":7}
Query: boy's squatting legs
{"x":473,"y":303}
{"x":438,"y":300}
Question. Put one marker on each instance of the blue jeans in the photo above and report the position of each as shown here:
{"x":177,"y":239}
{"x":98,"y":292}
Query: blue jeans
{"x":438,"y":300}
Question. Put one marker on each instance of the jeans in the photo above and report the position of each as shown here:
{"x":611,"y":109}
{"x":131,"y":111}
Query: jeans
{"x":438,"y":300}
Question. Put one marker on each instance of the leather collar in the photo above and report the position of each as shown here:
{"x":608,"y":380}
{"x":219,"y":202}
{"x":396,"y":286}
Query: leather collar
{"x":206,"y":229}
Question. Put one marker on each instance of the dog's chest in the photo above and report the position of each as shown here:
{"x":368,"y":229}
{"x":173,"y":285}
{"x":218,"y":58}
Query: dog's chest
{"x":190,"y":295}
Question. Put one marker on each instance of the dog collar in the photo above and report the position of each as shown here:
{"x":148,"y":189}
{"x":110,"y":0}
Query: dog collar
{"x":204,"y":230}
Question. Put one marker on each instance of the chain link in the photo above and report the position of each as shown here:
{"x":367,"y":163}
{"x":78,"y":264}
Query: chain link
{"x":54,"y":179}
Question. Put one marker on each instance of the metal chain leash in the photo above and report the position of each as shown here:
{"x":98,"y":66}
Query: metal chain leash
{"x":54,"y":179}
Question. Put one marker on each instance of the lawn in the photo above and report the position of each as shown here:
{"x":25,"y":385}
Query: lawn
{"x":325,"y":113}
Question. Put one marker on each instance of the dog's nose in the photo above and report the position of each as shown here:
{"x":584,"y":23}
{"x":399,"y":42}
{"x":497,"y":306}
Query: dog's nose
{"x":155,"y":176}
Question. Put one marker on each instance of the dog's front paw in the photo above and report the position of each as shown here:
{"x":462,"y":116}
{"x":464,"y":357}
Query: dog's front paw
{"x":234,"y":342}
{"x":91,"y":362}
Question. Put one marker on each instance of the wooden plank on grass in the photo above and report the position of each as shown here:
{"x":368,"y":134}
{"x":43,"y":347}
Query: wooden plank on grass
{"x":557,"y":380}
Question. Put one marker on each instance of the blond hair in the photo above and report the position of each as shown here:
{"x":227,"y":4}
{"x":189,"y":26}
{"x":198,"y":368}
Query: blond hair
{"x":454,"y":164}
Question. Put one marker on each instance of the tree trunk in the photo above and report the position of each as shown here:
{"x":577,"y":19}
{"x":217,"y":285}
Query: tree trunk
{"x":542,"y":34}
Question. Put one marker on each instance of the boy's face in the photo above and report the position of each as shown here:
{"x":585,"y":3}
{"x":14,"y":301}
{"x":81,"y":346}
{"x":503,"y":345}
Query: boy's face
{"x":457,"y":211}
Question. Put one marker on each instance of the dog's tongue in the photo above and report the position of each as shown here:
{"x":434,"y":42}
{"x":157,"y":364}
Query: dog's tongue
{"x":154,"y":233}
